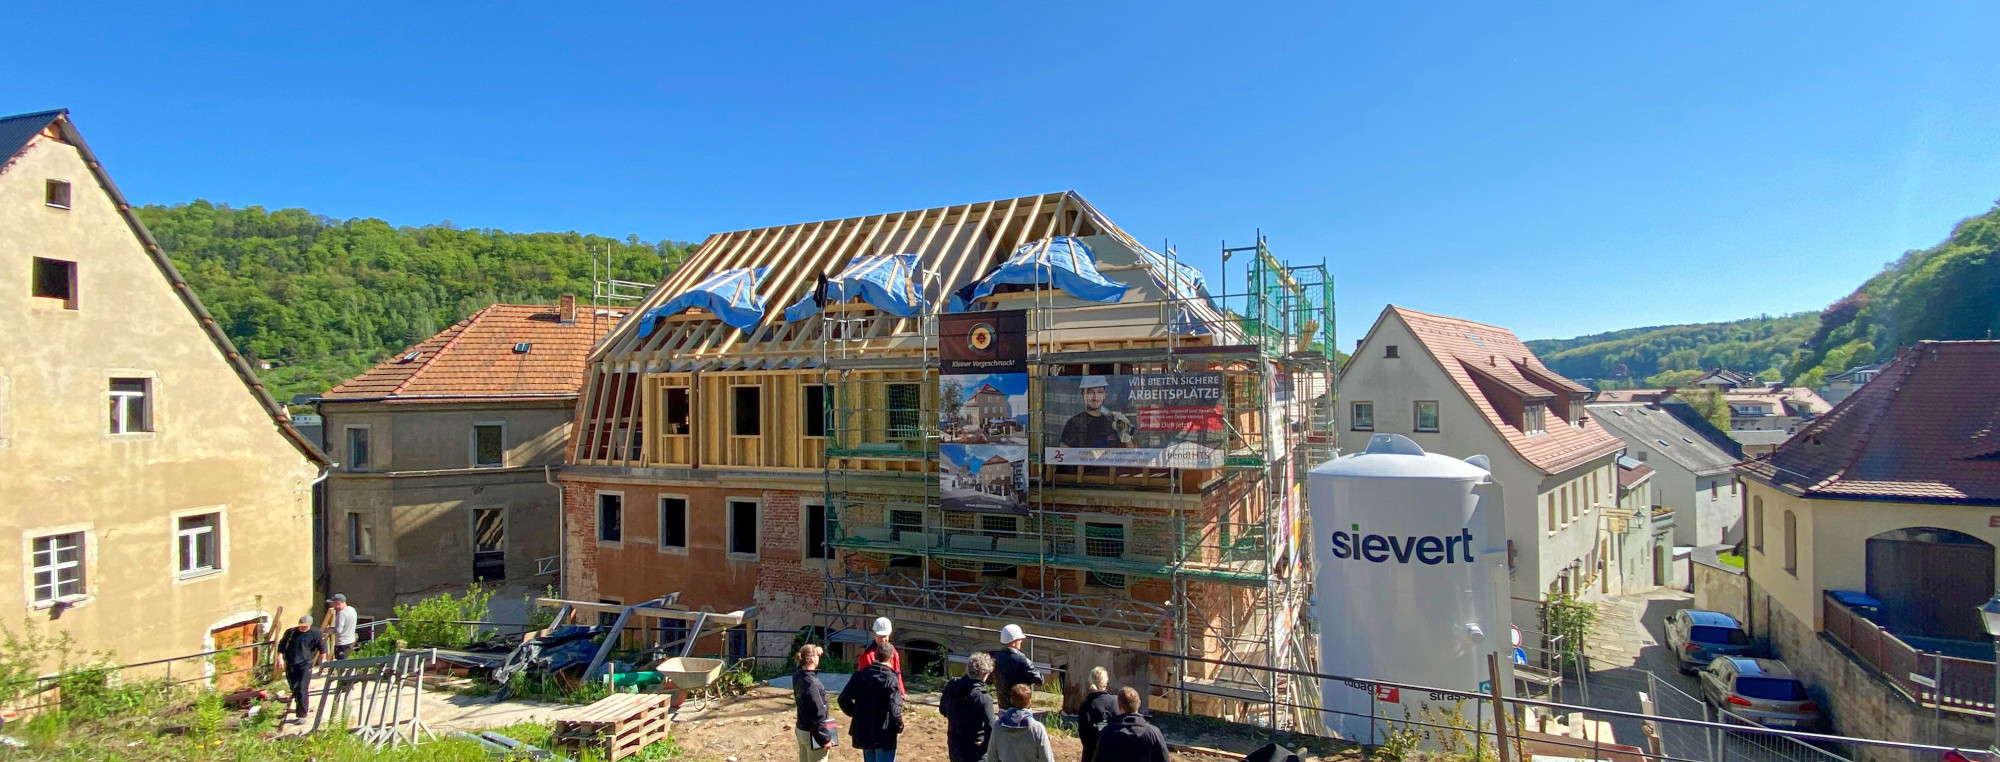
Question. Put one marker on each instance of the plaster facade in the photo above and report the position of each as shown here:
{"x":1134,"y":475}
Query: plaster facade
{"x":209,"y":446}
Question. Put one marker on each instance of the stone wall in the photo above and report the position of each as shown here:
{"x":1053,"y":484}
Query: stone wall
{"x":1719,"y":586}
{"x":1858,"y":701}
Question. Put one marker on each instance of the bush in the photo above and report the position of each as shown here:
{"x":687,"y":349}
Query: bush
{"x":428,"y":623}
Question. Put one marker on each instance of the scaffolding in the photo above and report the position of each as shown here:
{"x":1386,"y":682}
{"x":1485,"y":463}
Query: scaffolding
{"x":1205,"y":562}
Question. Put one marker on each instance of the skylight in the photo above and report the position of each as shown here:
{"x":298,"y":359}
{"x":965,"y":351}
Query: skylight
{"x":522,"y":348}
{"x":411,"y":357}
{"x":1663,"y":443}
{"x":1475,"y":340}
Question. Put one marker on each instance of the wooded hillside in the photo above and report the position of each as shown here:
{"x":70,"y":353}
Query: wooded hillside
{"x":1948,"y":291}
{"x":1670,"y":355}
{"x":323,"y":299}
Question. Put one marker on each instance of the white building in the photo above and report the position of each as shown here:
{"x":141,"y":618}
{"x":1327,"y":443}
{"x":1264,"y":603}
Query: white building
{"x":1463,"y":388}
{"x":1691,"y":462}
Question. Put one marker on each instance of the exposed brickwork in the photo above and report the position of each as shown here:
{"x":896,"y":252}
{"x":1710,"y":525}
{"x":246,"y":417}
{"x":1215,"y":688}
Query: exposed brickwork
{"x":579,"y":545}
{"x":789,"y":587}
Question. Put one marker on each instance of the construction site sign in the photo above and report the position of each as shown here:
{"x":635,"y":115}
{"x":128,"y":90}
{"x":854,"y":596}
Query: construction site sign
{"x":983,"y":342}
{"x":1161,"y":420}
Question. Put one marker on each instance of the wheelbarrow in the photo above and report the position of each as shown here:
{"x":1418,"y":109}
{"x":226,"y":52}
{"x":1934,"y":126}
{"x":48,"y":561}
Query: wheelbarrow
{"x":686,"y":673}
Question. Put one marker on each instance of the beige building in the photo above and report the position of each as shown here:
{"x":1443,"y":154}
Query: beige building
{"x":1462,"y":388}
{"x":446,"y":455}
{"x":1874,"y":529}
{"x":161,"y":499}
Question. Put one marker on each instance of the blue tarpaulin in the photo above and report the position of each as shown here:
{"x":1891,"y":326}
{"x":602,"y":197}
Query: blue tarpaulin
{"x":1063,"y":261}
{"x":730,"y":294}
{"x":887,"y":281}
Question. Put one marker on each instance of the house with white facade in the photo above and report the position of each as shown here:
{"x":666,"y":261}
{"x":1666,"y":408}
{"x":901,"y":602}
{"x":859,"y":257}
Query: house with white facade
{"x":1462,"y":388}
{"x":1691,"y":461}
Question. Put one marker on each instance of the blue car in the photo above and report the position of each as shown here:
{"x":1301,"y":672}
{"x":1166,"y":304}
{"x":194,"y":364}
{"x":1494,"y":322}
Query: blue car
{"x":1699,"y":637}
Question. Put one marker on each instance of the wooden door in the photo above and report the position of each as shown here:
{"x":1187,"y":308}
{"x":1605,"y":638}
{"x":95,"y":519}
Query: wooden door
{"x":1930,"y":587}
{"x":237,"y":671}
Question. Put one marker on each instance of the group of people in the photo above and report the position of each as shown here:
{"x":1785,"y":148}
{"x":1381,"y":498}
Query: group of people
{"x":303,"y":647}
{"x":1109,"y":725}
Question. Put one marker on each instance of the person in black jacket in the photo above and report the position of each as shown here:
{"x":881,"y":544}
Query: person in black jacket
{"x":1129,"y":737}
{"x":873,"y":701}
{"x":1096,"y":711}
{"x":300,"y":648}
{"x":1010,"y":666}
{"x":814,"y":726}
{"x":968,"y":711}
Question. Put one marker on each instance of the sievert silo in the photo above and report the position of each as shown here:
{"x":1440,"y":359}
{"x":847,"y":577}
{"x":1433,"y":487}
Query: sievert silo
{"x":1410,"y":566}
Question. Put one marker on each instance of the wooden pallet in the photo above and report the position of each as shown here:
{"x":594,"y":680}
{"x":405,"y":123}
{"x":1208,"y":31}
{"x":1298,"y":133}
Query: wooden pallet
{"x":617,"y":726}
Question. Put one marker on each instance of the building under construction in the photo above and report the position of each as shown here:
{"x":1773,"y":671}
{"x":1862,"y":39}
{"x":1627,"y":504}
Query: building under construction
{"x":783,"y":424}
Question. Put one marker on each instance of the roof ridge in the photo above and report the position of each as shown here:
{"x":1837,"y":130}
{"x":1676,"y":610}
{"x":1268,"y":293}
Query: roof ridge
{"x":464,"y":326}
{"x":1401,"y":308}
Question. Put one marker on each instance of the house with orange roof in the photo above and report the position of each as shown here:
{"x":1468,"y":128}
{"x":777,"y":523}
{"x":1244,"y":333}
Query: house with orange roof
{"x":446,"y":457}
{"x":1463,"y":388}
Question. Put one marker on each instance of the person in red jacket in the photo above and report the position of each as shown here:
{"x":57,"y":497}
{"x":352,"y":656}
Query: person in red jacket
{"x":882,"y":630}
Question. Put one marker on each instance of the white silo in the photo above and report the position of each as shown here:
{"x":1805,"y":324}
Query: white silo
{"x":1410,"y":572}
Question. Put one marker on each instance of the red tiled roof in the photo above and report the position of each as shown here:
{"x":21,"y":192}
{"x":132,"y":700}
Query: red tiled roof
{"x":1923,"y":430}
{"x":475,"y":358}
{"x":1463,"y":347}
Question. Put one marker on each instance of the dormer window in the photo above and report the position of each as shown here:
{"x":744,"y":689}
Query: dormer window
{"x":1533,"y":418}
{"x":56,"y":194}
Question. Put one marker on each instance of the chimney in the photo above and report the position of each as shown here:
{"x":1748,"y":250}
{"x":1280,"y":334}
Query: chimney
{"x":566,"y":309}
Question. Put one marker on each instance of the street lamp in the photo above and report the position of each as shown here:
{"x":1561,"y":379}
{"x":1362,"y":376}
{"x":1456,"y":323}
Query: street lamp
{"x":1989,"y":615}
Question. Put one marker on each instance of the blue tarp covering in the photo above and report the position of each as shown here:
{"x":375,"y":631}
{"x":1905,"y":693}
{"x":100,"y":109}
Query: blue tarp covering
{"x":730,"y":294}
{"x":1063,"y":261}
{"x":887,"y":281}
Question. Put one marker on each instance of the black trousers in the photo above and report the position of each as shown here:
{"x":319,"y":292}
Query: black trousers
{"x":300,"y":679}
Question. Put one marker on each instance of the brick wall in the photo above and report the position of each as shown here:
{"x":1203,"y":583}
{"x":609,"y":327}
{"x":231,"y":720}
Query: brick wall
{"x":580,"y":545}
{"x":789,"y":587}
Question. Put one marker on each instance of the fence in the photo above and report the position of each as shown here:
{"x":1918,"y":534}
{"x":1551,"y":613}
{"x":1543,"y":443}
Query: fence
{"x":1965,"y":684}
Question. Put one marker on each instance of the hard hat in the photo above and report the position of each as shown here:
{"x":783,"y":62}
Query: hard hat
{"x":1094,"y":382}
{"x":882,"y":626}
{"x":1011,"y":633}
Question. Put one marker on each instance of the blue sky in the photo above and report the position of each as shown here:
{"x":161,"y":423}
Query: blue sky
{"x":1554,"y":168}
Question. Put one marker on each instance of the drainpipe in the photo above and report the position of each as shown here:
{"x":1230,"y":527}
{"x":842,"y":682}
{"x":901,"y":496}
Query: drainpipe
{"x":562,"y":532}
{"x":323,"y":571}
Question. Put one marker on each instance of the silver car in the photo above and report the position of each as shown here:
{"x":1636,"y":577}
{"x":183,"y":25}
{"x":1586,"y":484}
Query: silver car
{"x":1760,"y":691}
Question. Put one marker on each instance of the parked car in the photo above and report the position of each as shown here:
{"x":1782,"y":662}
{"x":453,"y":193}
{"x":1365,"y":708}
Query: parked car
{"x":1698,"y":637}
{"x":1761,"y":691}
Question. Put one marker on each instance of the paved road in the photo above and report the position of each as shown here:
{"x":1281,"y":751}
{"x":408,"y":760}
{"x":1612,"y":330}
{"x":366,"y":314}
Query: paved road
{"x":1630,"y":643}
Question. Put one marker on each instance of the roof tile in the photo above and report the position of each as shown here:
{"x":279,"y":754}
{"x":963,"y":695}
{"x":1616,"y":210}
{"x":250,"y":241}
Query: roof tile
{"x":475,"y":357}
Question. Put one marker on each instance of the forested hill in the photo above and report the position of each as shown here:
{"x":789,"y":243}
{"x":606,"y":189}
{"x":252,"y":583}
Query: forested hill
{"x":323,"y":299}
{"x":1949,"y":291}
{"x":1675,"y":354}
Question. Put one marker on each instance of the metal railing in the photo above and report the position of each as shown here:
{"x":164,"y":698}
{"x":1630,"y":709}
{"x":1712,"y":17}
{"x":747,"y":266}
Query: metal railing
{"x":999,"y":601}
{"x":1929,"y":679}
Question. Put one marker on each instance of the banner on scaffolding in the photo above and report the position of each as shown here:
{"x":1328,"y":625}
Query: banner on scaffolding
{"x":983,"y":342}
{"x":1161,"y":420}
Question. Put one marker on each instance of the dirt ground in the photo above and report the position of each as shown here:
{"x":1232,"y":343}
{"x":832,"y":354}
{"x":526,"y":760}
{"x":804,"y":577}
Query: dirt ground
{"x":758,"y":727}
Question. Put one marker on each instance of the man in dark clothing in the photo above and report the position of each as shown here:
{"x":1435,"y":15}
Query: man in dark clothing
{"x":1096,"y":711}
{"x":968,"y":711}
{"x":300,"y":648}
{"x":814,"y":725}
{"x":1010,"y":666}
{"x":1095,"y":426}
{"x":874,"y":702}
{"x":1129,"y":737}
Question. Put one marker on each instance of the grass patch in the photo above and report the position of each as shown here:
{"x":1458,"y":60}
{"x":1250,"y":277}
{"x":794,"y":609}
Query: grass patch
{"x":1731,"y":557}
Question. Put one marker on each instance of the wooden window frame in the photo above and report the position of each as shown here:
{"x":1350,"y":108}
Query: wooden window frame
{"x":57,"y":193}
{"x":735,"y":404}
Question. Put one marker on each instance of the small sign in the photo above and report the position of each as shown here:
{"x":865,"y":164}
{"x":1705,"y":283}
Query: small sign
{"x":1388,"y":694}
{"x":1923,"y":681}
{"x":1993,"y":522}
{"x":1486,"y":686}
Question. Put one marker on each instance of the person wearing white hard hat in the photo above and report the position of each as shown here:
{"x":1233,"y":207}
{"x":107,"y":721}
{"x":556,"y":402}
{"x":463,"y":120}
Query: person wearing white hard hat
{"x":1010,"y":666}
{"x":1095,"y":426}
{"x":882,"y":630}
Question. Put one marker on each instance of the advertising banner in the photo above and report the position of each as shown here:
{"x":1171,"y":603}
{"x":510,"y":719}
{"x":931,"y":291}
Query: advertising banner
{"x":983,"y":411}
{"x":983,"y":342}
{"x":1164,"y":420}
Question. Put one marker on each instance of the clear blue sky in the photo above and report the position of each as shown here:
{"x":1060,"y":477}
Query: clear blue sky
{"x":1557,"y":169}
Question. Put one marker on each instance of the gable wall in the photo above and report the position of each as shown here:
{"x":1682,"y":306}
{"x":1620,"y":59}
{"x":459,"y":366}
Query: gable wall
{"x":213,"y":444}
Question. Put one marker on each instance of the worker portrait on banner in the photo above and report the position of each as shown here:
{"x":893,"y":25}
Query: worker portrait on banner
{"x":1162,"y":420}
